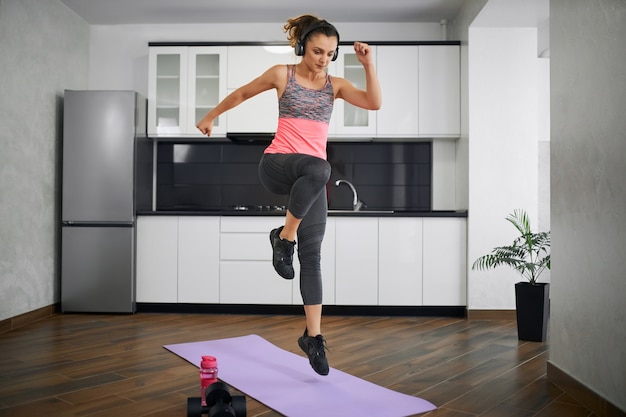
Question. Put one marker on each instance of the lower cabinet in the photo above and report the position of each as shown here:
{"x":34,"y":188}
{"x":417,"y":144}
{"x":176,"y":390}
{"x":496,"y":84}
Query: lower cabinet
{"x":198,"y":256}
{"x":157,"y":259}
{"x":408,"y":261}
{"x":400,"y":261}
{"x":246,"y":272}
{"x":445,"y":262}
{"x":356,"y":261}
{"x":177,"y":259}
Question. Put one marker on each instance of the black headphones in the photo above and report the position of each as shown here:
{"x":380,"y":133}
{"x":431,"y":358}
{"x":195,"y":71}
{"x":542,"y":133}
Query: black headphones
{"x":299,"y":48}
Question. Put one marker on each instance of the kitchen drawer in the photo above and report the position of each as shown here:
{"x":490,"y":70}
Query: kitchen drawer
{"x":241,"y":224}
{"x":253,"y":282}
{"x":245,"y":247}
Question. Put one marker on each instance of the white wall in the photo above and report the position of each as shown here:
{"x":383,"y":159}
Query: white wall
{"x":543,"y":132}
{"x":588,"y":289}
{"x":503,"y":151}
{"x":459,"y":30}
{"x":443,"y":191}
{"x":119,"y":53}
{"x":43,"y":50}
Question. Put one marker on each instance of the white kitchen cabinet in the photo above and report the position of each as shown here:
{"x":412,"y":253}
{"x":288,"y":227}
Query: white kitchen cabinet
{"x":439,"y":74}
{"x":258,"y":114}
{"x":445,"y":262}
{"x":352,"y":121}
{"x":198,"y":259}
{"x":245,"y":63}
{"x":177,"y":259}
{"x":420,"y":86}
{"x":167,"y":90}
{"x":207,"y":86}
{"x":397,"y":74}
{"x":184,"y":83}
{"x":356,"y":261}
{"x":253,"y":282}
{"x":421,"y":91}
{"x":400,"y":261}
{"x":406,"y":261}
{"x":246,"y":272}
{"x":157,"y":259}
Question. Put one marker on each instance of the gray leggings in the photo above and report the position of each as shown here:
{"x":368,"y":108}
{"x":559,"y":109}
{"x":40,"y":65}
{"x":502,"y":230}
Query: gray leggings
{"x":303,"y":178}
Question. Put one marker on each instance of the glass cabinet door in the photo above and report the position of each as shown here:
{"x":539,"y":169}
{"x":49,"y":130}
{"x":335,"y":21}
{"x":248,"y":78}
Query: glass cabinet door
{"x":352,"y":120}
{"x":167,"y":90}
{"x":185,"y":83}
{"x":207,"y":85}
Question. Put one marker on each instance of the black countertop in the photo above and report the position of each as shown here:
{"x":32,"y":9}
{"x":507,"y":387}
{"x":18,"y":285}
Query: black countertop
{"x":331,"y":213}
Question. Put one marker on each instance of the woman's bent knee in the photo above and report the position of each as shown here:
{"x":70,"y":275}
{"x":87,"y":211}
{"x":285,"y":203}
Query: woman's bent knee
{"x":318,"y":171}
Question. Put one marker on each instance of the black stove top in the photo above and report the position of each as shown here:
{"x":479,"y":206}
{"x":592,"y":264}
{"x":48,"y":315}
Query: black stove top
{"x":257,"y":208}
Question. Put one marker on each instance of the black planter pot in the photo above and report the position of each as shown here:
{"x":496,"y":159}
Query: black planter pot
{"x":533,"y":308}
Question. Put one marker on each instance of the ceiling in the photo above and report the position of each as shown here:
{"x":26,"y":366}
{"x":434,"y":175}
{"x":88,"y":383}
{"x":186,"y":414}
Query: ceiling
{"x":113,"y":12}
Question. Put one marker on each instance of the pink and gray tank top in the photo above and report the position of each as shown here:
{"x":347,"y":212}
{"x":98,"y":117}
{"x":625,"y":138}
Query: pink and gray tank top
{"x":303,"y":118}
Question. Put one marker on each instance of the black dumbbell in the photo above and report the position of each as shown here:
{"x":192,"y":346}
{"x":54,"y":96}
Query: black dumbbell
{"x":219,"y":403}
{"x":194,"y":407}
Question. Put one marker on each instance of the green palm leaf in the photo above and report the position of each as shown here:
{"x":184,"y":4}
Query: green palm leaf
{"x":528,"y":254}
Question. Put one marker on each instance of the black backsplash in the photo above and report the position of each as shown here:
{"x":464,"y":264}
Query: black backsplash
{"x":221,"y":175}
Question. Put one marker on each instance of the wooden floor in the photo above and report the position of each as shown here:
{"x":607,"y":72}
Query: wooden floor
{"x":115,"y":365}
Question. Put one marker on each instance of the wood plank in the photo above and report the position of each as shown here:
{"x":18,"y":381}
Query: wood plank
{"x":115,"y":365}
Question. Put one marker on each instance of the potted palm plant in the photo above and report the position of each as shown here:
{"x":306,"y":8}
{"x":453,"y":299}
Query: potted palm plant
{"x":529,"y":255}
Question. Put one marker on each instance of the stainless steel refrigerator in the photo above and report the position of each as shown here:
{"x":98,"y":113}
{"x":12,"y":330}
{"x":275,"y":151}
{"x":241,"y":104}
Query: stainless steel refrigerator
{"x":106,"y":179}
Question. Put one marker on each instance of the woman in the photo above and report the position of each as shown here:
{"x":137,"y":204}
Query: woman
{"x":294,"y":164}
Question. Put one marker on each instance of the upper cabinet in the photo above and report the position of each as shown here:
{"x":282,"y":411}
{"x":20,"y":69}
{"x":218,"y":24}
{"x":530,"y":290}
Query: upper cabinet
{"x":439,"y":91}
{"x":351,"y":120}
{"x":245,"y":63}
{"x":420,"y":88}
{"x":207,"y":85}
{"x":398,"y":75}
{"x":421,"y":91}
{"x":184,"y":83}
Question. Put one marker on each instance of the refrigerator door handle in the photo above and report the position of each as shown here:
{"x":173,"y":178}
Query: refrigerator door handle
{"x":71,"y":223}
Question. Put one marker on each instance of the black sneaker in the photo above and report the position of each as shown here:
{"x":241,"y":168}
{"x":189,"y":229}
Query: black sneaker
{"x":282,"y":258}
{"x":315,"y":349}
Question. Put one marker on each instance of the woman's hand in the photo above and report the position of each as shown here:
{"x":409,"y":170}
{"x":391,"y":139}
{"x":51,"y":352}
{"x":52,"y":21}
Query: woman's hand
{"x":363,"y":53}
{"x":205,"y":126}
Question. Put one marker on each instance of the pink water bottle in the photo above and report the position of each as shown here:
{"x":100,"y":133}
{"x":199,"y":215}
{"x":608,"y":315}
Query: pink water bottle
{"x":208,"y":375}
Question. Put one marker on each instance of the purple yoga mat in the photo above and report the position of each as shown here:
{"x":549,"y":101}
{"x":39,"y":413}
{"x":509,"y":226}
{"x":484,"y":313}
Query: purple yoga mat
{"x":286,"y":382}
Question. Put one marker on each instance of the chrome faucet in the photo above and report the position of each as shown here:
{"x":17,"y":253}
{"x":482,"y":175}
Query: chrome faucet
{"x":356,"y":203}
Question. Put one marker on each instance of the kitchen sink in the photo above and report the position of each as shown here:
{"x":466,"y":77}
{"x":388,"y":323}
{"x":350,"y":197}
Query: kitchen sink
{"x":335,"y":211}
